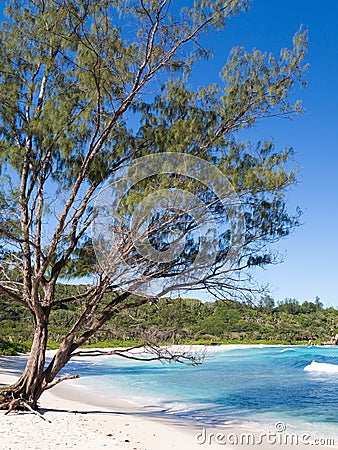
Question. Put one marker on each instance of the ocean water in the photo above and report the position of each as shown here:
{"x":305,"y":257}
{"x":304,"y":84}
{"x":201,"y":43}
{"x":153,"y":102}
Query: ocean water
{"x":294,"y":385}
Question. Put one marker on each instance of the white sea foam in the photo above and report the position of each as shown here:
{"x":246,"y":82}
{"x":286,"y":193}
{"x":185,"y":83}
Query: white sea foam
{"x":287,"y":350}
{"x":180,"y":407}
{"x":321,"y":367}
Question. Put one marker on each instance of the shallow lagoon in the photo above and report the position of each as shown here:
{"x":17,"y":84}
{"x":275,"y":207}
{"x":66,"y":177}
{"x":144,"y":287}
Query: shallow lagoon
{"x":294,"y":385}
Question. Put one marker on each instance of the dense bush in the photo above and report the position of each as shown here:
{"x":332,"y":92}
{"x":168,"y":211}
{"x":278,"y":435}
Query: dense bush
{"x":183,"y":321}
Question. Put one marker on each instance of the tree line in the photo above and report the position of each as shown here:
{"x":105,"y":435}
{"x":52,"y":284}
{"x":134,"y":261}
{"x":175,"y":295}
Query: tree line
{"x":184,"y":321}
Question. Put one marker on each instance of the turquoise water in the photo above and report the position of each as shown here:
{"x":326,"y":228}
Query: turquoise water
{"x":297,"y":385}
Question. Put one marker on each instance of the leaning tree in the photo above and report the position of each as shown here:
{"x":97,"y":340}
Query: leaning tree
{"x":101,"y":90}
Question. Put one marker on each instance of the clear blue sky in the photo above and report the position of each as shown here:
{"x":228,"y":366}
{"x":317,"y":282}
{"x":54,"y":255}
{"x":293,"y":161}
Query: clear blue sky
{"x":310,"y":264}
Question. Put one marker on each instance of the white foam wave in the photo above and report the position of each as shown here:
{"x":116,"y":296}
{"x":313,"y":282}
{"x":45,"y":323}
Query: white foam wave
{"x":185,"y":407}
{"x":287,"y":350}
{"x":321,"y":367}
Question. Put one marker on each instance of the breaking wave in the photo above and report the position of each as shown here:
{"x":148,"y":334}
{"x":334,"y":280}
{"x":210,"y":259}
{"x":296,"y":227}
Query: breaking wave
{"x":321,"y":367}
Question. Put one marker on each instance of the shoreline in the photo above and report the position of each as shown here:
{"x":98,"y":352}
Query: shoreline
{"x":82,"y":419}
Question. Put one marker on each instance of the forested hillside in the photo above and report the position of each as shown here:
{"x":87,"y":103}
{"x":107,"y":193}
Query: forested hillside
{"x":183,"y":321}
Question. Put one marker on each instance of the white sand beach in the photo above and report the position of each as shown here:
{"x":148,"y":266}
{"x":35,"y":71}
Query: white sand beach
{"x":77,"y":419}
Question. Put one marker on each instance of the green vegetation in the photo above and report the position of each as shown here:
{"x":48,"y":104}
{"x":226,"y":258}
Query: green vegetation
{"x":184,"y":321}
{"x":13,"y":348}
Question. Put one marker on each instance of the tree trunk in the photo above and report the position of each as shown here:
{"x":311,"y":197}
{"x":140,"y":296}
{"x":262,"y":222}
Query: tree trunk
{"x":60,"y":359}
{"x":31,"y":383}
{"x":36,"y":378}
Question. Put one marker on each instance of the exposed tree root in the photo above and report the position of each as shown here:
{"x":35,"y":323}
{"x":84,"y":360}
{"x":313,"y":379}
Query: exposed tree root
{"x":11,"y":397}
{"x":18,"y":404}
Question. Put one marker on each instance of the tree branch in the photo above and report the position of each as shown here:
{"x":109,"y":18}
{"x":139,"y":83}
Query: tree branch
{"x":60,"y":379}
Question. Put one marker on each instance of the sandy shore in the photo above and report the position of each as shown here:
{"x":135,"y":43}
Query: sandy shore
{"x":78,"y":419}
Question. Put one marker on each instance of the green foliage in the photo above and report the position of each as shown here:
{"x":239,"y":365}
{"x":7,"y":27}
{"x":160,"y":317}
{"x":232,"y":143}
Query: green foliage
{"x":12,"y":348}
{"x":186,"y":321}
{"x":72,"y":80}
